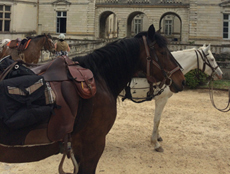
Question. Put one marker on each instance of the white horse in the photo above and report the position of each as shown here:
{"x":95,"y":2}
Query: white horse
{"x":189,"y":59}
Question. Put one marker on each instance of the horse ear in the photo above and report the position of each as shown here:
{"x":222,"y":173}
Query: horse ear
{"x":207,"y":49}
{"x":151,"y":33}
{"x":204,"y":45}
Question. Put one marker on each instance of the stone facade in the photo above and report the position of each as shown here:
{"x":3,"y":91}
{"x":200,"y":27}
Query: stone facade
{"x":198,"y":21}
{"x":23,"y":18}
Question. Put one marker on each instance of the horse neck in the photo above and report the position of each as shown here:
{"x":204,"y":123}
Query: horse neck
{"x":117,"y":73}
{"x":40,"y":42}
{"x":187,"y":59}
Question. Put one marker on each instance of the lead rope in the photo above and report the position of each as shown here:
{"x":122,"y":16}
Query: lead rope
{"x":226,"y":109}
{"x":68,"y":151}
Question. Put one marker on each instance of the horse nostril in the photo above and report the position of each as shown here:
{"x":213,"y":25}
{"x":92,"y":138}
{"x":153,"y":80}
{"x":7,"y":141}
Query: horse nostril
{"x":183,"y":82}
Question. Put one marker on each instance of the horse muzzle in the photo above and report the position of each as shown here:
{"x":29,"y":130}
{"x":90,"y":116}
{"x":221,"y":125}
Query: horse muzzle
{"x":175,"y":88}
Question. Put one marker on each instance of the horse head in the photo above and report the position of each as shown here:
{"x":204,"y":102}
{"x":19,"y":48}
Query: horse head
{"x":161,"y":66}
{"x":49,"y":44}
{"x":208,"y":60}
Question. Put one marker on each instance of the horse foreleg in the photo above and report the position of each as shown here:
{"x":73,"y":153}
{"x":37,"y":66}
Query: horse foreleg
{"x":160,"y":103}
{"x":91,"y":153}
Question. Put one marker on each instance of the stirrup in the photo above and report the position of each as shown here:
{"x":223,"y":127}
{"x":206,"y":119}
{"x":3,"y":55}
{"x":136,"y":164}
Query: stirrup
{"x":68,"y":150}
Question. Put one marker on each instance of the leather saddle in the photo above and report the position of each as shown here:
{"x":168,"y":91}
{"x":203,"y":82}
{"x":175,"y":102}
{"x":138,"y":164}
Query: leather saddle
{"x":60,"y":73}
{"x":19,"y":44}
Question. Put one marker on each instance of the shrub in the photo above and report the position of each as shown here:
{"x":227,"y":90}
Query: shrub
{"x":195,"y":78}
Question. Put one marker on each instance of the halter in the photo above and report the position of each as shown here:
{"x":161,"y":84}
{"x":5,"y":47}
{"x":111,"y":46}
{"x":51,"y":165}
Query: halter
{"x":150,"y":61}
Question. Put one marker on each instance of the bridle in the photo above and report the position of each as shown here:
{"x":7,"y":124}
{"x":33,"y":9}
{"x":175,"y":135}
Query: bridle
{"x":48,"y":45}
{"x":207,"y":62}
{"x":153,"y":60}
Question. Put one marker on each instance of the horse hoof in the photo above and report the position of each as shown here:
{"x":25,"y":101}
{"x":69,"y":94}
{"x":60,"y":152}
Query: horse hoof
{"x":159,"y":139}
{"x":159,"y":149}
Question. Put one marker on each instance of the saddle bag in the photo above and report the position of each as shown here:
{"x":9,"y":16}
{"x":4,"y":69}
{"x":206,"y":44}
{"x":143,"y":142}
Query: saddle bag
{"x":84,"y":80}
{"x":23,"y":101}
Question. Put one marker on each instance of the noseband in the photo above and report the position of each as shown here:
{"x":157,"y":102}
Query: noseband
{"x":205,"y":62}
{"x":154,"y":60}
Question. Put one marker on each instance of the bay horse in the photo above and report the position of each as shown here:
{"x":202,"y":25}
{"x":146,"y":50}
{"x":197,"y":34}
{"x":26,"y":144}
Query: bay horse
{"x":32,"y":52}
{"x":113,"y":67}
{"x":190,"y":59}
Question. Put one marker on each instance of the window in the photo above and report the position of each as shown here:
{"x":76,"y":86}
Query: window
{"x":168,"y":27}
{"x":61,"y":21}
{"x":137,"y":26}
{"x":5,"y":17}
{"x":226,"y":26}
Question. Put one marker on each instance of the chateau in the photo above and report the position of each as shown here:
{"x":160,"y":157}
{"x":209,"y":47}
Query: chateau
{"x":181,"y":21}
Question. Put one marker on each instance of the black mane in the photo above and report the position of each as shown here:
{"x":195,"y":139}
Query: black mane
{"x":160,"y":40}
{"x":116,"y":63}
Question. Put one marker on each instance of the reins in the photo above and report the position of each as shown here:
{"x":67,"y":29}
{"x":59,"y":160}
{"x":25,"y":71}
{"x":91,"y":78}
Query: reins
{"x":227,"y":108}
{"x":148,"y":98}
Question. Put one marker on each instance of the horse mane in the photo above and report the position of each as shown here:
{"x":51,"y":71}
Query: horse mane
{"x":116,"y":62}
{"x":160,"y":40}
{"x":186,"y":50}
{"x":39,"y":36}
